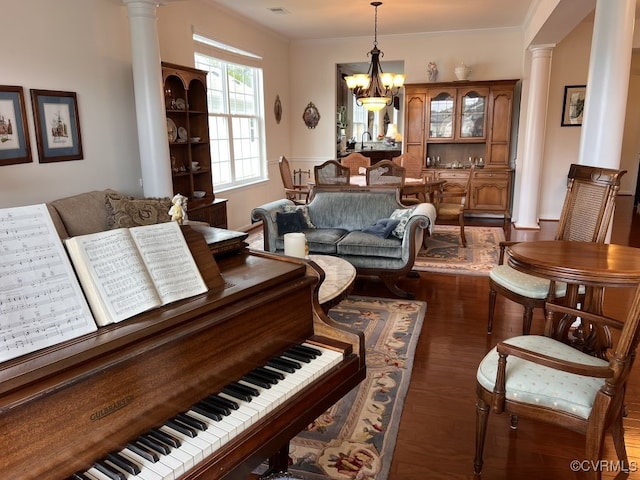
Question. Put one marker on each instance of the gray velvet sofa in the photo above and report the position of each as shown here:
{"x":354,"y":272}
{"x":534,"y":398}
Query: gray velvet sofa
{"x":339,"y":215}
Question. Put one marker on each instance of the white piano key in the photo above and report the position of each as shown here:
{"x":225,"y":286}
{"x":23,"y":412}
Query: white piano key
{"x":194,"y":450}
{"x":159,"y":468}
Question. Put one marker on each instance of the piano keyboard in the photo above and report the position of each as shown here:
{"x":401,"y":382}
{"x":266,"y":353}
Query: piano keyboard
{"x":170,"y":450}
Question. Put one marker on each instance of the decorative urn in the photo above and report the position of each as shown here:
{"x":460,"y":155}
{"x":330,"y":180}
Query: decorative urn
{"x":462,"y":71}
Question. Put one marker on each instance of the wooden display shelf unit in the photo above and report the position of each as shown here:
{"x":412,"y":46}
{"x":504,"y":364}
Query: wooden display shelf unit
{"x":185,"y":90}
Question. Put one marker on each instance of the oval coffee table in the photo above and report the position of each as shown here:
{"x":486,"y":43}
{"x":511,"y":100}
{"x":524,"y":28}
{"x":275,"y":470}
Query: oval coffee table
{"x":339,"y":276}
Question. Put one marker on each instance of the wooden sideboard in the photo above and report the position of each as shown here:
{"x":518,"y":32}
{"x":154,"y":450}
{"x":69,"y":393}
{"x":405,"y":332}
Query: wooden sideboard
{"x":455,"y":123}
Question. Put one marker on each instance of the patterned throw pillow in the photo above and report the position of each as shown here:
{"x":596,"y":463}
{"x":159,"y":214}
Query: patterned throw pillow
{"x":126,"y":212}
{"x":305,"y":213}
{"x":401,"y":214}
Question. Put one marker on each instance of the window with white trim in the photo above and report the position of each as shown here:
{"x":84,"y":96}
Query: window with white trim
{"x":236,"y":113}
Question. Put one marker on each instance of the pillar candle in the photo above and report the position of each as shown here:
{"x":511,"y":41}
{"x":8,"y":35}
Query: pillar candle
{"x":295,"y":245}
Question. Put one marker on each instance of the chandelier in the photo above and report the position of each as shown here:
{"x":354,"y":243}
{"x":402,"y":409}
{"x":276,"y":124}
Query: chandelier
{"x":375,"y":89}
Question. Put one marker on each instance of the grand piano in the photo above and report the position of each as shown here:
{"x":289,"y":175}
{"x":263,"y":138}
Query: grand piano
{"x":147,"y":398}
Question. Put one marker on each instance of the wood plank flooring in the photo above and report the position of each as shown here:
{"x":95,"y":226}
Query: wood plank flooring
{"x":437,"y":430}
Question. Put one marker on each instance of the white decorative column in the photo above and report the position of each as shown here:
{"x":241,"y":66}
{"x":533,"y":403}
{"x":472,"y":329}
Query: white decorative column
{"x":607,"y":83}
{"x":149,"y":98}
{"x":531,"y":164}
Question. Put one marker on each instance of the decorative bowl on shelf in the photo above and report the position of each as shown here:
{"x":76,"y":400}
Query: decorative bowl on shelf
{"x":199,"y":194}
{"x":194,"y":139}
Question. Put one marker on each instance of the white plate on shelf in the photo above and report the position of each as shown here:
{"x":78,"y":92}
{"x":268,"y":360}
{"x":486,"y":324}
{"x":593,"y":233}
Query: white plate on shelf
{"x":182,"y":133}
{"x":172,"y":130}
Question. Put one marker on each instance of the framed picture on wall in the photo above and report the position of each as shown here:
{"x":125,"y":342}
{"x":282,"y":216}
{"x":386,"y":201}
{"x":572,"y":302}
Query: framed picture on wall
{"x":573,"y":105}
{"x":57,"y":125}
{"x":14,"y":136}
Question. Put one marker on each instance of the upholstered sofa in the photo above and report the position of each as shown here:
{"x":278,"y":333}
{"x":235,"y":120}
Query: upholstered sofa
{"x":350,"y":222}
{"x":102,"y":210}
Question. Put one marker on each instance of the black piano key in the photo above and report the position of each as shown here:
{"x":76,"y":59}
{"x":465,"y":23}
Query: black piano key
{"x":143,"y":451}
{"x":192,"y":422}
{"x":235,"y":393}
{"x":164,"y":437}
{"x":225,"y":402}
{"x":79,"y":476}
{"x":109,"y":471}
{"x":154,"y":445}
{"x":207,"y":412}
{"x":269,"y":373}
{"x":302,"y":357}
{"x":304,"y":348}
{"x":256,"y":380}
{"x":283,"y":365}
{"x":214,"y":407}
{"x":123,"y":463}
{"x":181,"y":427}
{"x":244,"y":388}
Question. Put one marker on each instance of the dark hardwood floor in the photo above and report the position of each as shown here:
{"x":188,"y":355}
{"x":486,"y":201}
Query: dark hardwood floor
{"x":437,"y":429}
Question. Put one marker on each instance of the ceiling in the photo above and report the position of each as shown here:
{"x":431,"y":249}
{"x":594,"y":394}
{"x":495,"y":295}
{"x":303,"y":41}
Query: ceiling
{"x":319,"y":19}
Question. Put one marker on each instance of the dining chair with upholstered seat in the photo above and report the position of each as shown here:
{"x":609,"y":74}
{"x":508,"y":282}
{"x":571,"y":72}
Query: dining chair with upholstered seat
{"x":450,"y":202}
{"x":385,"y":172}
{"x":413,"y":168}
{"x":331,"y":172}
{"x":299,"y":194}
{"x":580,"y":392}
{"x":586,"y":216}
{"x":355,"y":161}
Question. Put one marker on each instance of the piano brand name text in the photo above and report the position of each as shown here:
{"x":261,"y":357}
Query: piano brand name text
{"x":113,"y":407}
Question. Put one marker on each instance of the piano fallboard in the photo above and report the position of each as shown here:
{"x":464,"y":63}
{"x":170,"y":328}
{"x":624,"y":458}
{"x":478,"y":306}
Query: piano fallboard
{"x":64,"y":407}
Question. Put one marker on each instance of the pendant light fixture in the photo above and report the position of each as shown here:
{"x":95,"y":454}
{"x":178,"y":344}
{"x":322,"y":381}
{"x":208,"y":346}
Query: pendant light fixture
{"x":375,"y":90}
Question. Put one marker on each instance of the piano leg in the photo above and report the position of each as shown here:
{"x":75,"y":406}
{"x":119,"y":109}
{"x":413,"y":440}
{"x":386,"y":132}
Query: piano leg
{"x":280,"y":461}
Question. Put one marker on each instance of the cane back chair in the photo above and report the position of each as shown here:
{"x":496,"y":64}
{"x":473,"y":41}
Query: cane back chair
{"x":586,"y":216}
{"x":355,"y":161}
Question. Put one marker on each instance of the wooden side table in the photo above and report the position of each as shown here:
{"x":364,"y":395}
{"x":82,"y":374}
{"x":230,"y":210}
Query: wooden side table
{"x":338,"y":281}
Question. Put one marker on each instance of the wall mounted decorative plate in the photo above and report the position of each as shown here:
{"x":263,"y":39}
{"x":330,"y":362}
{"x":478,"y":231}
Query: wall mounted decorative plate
{"x":311,"y":116}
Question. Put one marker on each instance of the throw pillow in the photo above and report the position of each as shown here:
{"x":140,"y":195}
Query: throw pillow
{"x":290,"y":222}
{"x":402,"y":215}
{"x":305,"y":213}
{"x":126,"y":212}
{"x":382,"y":228}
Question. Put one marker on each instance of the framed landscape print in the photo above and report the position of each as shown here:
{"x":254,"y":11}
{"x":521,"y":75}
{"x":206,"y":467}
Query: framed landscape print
{"x":14,"y":136}
{"x":573,"y":105}
{"x":57,"y":125}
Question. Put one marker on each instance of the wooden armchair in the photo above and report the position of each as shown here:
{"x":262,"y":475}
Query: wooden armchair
{"x":331,"y":172}
{"x":355,"y":161}
{"x":385,"y":172}
{"x":298,"y":194}
{"x":413,"y":169}
{"x":585,"y":217}
{"x":450,"y":202}
{"x":580,"y":392}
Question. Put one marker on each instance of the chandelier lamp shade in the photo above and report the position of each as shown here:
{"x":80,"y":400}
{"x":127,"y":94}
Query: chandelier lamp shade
{"x":375,"y":89}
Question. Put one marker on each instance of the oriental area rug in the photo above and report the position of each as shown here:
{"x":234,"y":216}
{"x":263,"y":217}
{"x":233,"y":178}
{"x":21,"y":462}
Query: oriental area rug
{"x":356,"y":437}
{"x":444,"y":252}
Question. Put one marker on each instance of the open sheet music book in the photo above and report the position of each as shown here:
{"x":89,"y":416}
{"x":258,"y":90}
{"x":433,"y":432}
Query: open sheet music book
{"x":41,"y":302}
{"x":130,"y":270}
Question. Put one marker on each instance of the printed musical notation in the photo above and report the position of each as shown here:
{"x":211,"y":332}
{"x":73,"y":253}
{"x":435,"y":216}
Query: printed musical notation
{"x":41,"y":302}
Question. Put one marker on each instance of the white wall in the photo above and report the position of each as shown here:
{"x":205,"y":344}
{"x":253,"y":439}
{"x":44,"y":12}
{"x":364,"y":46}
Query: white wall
{"x":82,"y":47}
{"x":495,"y":54}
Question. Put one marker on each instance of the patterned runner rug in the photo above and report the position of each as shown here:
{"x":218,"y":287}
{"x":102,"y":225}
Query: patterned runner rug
{"x":444,"y":252}
{"x":355,"y":438}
